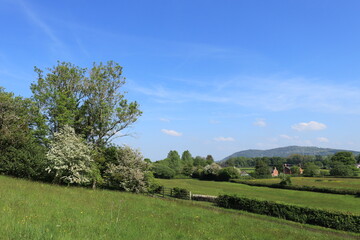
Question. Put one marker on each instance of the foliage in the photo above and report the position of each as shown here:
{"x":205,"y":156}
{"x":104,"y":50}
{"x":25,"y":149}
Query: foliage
{"x":174,"y":162}
{"x":69,"y":158}
{"x":319,"y":217}
{"x":21,"y":155}
{"x":346,"y":158}
{"x":225,"y":174}
{"x":88,"y":101}
{"x":181,"y":193}
{"x":209,"y":159}
{"x":262,"y":170}
{"x":188,"y":170}
{"x":311,"y":169}
{"x":199,"y":161}
{"x":211,"y":172}
{"x":129,"y":172}
{"x":198,"y":172}
{"x":285,"y":180}
{"x":341,"y":169}
{"x":186,"y":158}
{"x":295,"y":170}
{"x":162,"y":171}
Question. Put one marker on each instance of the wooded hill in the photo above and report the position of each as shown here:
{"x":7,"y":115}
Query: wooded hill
{"x":286,"y":151}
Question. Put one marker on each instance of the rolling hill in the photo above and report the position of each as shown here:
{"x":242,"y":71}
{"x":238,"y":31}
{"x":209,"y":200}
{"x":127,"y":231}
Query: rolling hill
{"x":286,"y":151}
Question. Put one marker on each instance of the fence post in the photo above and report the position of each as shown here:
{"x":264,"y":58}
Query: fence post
{"x":190,"y":195}
{"x":163,"y":191}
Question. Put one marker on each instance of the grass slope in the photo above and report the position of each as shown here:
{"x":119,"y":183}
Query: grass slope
{"x":40,"y":211}
{"x":335,"y":202}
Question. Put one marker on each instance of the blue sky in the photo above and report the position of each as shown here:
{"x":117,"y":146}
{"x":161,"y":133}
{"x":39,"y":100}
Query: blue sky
{"x":212,"y":77}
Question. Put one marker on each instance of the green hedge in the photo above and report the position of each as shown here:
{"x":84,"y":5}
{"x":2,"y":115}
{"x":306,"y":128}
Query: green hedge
{"x":335,"y":220}
{"x":181,"y":193}
{"x":301,"y":188}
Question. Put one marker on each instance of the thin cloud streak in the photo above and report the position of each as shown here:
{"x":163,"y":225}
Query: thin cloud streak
{"x":266,"y":94}
{"x":39,"y":23}
{"x":309,"y":126}
{"x":224,"y":139}
{"x":171,"y":132}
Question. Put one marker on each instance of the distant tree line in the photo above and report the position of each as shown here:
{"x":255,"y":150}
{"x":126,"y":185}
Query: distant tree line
{"x":186,"y":166}
{"x":339,"y":164}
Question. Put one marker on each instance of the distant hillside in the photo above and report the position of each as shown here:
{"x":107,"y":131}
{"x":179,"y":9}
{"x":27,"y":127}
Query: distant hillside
{"x":286,"y":151}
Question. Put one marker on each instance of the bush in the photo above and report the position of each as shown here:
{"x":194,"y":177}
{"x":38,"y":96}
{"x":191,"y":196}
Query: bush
{"x":162,"y":171}
{"x":285,"y":180}
{"x":225,"y":174}
{"x":210,"y":172}
{"x":311,"y":169}
{"x":181,"y":193}
{"x":69,"y":158}
{"x":340,"y":169}
{"x":129,"y":172}
{"x":325,"y":218}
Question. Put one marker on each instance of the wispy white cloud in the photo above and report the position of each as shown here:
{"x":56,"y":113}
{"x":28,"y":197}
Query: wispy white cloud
{"x":260,"y":123}
{"x":274,"y":93}
{"x":171,"y":132}
{"x":164,"y":120}
{"x":322,"y":139}
{"x":166,"y":95}
{"x":284,"y":136}
{"x":224,"y":139}
{"x":309,"y":126}
{"x":37,"y":21}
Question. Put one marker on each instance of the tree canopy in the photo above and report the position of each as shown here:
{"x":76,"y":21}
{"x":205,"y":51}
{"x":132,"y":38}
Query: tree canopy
{"x":90,"y":101}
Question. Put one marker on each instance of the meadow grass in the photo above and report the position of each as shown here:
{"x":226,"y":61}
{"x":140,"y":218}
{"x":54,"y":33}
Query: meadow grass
{"x":31,"y":210}
{"x":248,"y":169}
{"x":328,"y":182}
{"x":335,"y":202}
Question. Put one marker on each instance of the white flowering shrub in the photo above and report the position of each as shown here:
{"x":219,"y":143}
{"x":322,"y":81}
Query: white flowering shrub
{"x":210,"y":172}
{"x":70,"y":158}
{"x":213,"y":168}
{"x":129,"y":172}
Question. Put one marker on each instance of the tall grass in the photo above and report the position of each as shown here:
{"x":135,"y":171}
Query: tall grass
{"x":39,"y":211}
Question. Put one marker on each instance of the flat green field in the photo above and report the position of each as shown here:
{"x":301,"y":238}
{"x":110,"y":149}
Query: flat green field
{"x":249,"y":169}
{"x":336,"y":183}
{"x":336,"y":202}
{"x":31,"y":210}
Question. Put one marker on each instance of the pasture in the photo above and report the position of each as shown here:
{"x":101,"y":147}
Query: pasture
{"x":334,"y":202}
{"x":328,"y":182}
{"x":31,"y":210}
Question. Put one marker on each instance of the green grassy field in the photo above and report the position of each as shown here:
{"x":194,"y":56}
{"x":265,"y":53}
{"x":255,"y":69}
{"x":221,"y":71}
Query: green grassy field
{"x":249,"y":169}
{"x":335,"y":202}
{"x":335,"y":183}
{"x":32,"y":210}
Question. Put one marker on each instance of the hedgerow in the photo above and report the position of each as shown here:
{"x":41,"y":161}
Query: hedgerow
{"x":325,"y":218}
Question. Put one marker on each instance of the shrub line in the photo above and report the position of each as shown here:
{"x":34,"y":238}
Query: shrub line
{"x":324,"y":218}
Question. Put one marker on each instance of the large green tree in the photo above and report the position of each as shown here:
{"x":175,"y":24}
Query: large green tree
{"x":346,"y":158}
{"x":20,"y":153}
{"x":174,"y":161}
{"x":91,"y":101}
{"x":262,"y":169}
